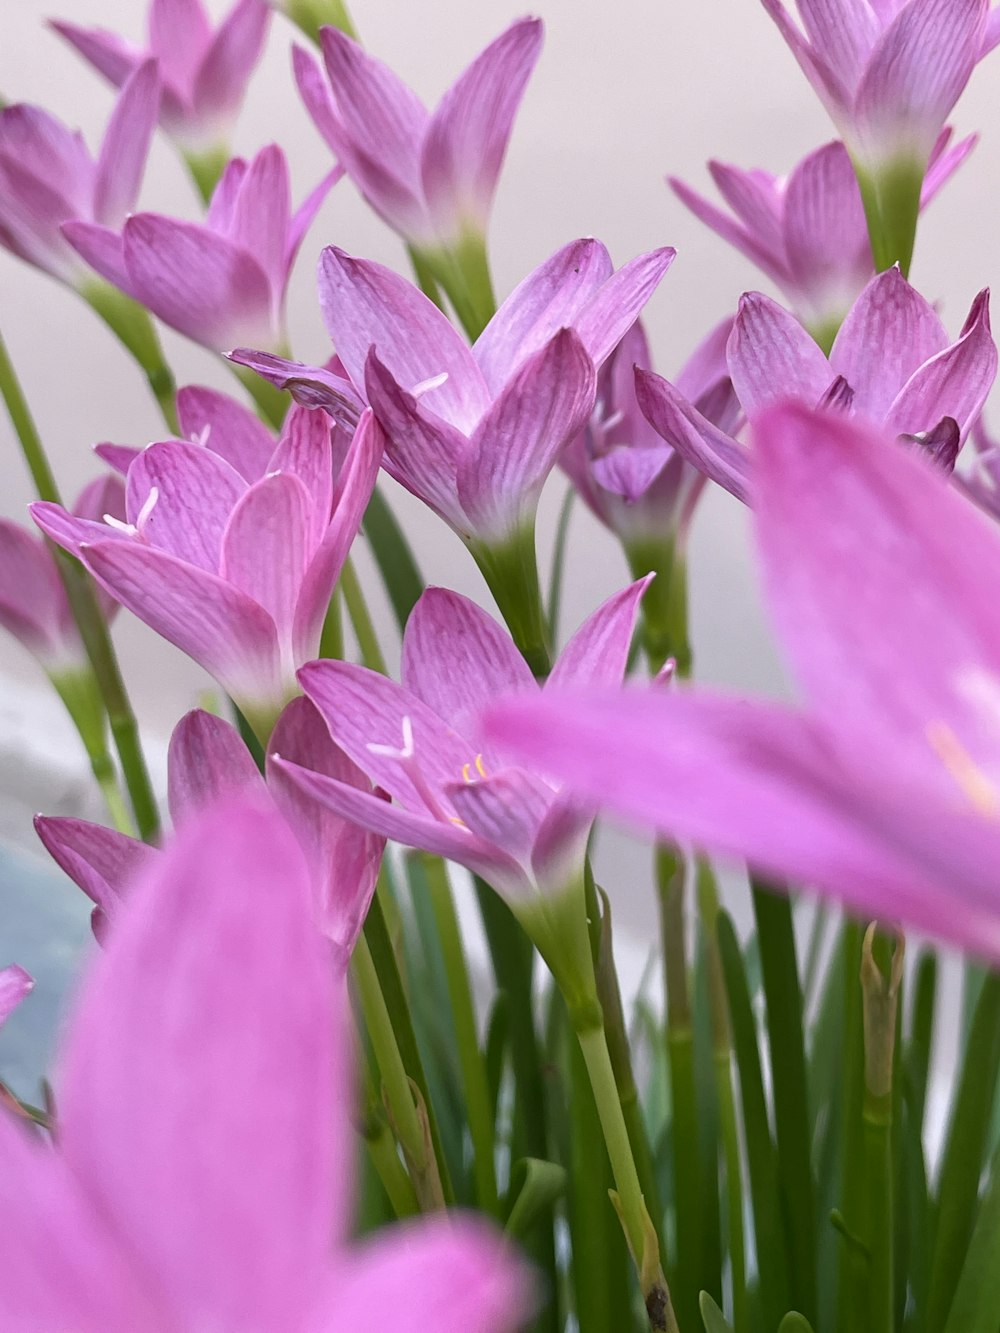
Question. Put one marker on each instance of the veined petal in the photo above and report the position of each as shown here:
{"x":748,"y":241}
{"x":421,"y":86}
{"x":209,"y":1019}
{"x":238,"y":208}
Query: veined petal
{"x":266,"y":545}
{"x":560,"y":849}
{"x":100,"y":861}
{"x":518,"y":441}
{"x":262,"y":212}
{"x":126,"y":146}
{"x":466,"y":140}
{"x":826,"y":236}
{"x":945,"y":162}
{"x":617,"y":303}
{"x":227,"y":428}
{"x":955,"y":383}
{"x":845,"y":31}
{"x":119,"y":457}
{"x":413,"y":828}
{"x":196,"y":491}
{"x":772,"y":358}
{"x":423,"y":452}
{"x":15,"y":985}
{"x":229,"y":59}
{"x":111,"y":55}
{"x":754,"y":198}
{"x":306,"y":450}
{"x":366,"y":305}
{"x":366,"y":714}
{"x":457,"y":659}
{"x":228,"y":633}
{"x":354,"y":489}
{"x":103,"y":249}
{"x":547,"y":300}
{"x":849,"y":525}
{"x":506,"y":809}
{"x":198,"y":282}
{"x":739,"y":237}
{"x":222,"y":205}
{"x":303,"y":217}
{"x":684,"y":428}
{"x":312,"y":386}
{"x":207,"y":762}
{"x":890,"y":331}
{"x":343,"y":857}
{"x":179,"y":34}
{"x":833,"y":93}
{"x":69,"y":531}
{"x":597,"y":654}
{"x":228,"y":1198}
{"x":315,"y":93}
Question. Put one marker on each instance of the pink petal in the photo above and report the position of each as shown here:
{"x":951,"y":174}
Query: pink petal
{"x":890,"y":331}
{"x":229,"y":1197}
{"x":506,"y":809}
{"x":945,"y":162}
{"x":266,"y":545}
{"x":109,"y":54}
{"x":684,"y":428}
{"x":312,"y":386}
{"x":845,"y":31}
{"x":32,"y":219}
{"x":467,"y":137}
{"x":119,"y":457}
{"x":755,"y":199}
{"x":315,"y":93}
{"x":100,"y":861}
{"x":32,"y":602}
{"x":834,"y":94}
{"x":344,"y":857}
{"x":230,"y":59}
{"x":955,"y":383}
{"x":457,"y":659}
{"x":198,"y":282}
{"x":366,"y":305}
{"x":615,"y":306}
{"x":126,"y":146}
{"x":304,"y":216}
{"x":68,"y":531}
{"x":826,"y":236}
{"x":850,"y":526}
{"x":516,"y":445}
{"x":196,"y":491}
{"x":306,"y":451}
{"x":597,"y":654}
{"x":207,"y":762}
{"x":227,"y":428}
{"x":218,"y":626}
{"x":222,"y":205}
{"x":179,"y":34}
{"x":45,"y":148}
{"x":354,"y":489}
{"x":771,"y":357}
{"x":103,"y":249}
{"x":770,"y":262}
{"x":15,"y":984}
{"x":560,"y":849}
{"x":547,"y":300}
{"x":261,"y":214}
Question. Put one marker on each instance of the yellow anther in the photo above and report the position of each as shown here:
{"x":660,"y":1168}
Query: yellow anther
{"x":480,"y":766}
{"x":963,"y":768}
{"x":466,"y":775}
{"x":480,"y":769}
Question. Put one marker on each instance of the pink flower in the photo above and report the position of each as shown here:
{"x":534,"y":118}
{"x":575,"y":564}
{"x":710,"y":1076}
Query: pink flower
{"x":236,"y":571}
{"x":891,"y":363}
{"x":207,"y":762}
{"x":48,"y":177}
{"x":431,"y":177}
{"x":204,"y":71}
{"x":807,"y":231}
{"x":884,"y":788}
{"x":221,"y":282}
{"x":201,"y":1175}
{"x":15,"y":984}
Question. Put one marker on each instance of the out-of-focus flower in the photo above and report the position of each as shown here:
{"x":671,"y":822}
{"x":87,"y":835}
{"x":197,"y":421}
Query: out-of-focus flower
{"x":237,"y":574}
{"x":207,"y":762}
{"x":221,"y":282}
{"x":981,"y":480}
{"x":313,"y":15}
{"x":48,"y":177}
{"x":204,"y":69}
{"x":807,"y":231}
{"x":418,"y":742}
{"x":160,"y":1207}
{"x":15,"y":984}
{"x":891,"y":363}
{"x":889,"y":73}
{"x":885,"y":789}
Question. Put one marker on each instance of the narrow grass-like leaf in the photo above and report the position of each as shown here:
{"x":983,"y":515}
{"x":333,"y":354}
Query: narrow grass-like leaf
{"x":711,"y":1316}
{"x":977,"y":1297}
{"x":400,"y":574}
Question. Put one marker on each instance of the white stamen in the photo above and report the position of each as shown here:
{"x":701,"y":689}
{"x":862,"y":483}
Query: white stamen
{"x":392,"y":751}
{"x":425,"y":386}
{"x":120,"y":525}
{"x":148,"y":505}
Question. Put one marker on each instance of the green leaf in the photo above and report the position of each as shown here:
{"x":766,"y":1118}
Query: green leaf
{"x":977,"y":1297}
{"x":534,"y":1188}
{"x":403,"y":580}
{"x":711,"y":1316}
{"x":794,"y":1322}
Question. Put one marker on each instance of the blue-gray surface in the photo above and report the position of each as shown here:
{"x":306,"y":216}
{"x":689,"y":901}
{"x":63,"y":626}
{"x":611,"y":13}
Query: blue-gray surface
{"x":44,"y":926}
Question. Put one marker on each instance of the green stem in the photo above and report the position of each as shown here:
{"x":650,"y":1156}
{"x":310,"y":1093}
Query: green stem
{"x":665,"y":605}
{"x":891,"y":198}
{"x":361,"y":621}
{"x":86,"y":612}
{"x":311,"y":15}
{"x":81,"y":695}
{"x":426,"y":280}
{"x":559,"y":562}
{"x":382,"y":1151}
{"x":635,"y":1219}
{"x":331,"y":640}
{"x":133,"y":326}
{"x":206,"y":167}
{"x":510,"y":568}
{"x":478,"y":1102}
{"x":399,"y":1091}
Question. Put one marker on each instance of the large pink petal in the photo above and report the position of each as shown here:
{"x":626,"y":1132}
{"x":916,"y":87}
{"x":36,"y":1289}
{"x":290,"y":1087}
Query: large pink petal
{"x":955,"y":383}
{"x":343,"y":857}
{"x":100,"y":861}
{"x":206,"y":763}
{"x":305,"y":450}
{"x":457,"y":659}
{"x":826,"y":236}
{"x":198,"y":282}
{"x":880,"y":580}
{"x":550,"y":298}
{"x":516,"y":445}
{"x":890,"y":331}
{"x":693,"y":435}
{"x":227,"y":1180}
{"x":845,"y":31}
{"x":617,"y":303}
{"x":467,"y":137}
{"x":230,"y":58}
{"x":261,"y":214}
{"x":771,"y":357}
{"x":229,"y":634}
{"x":227,"y":428}
{"x":597,"y":654}
{"x":179,"y":34}
{"x":103,"y":249}
{"x":196,"y":491}
{"x":266,"y":545}
{"x":506,"y":809}
{"x":366,"y":305}
{"x":125,"y":148}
